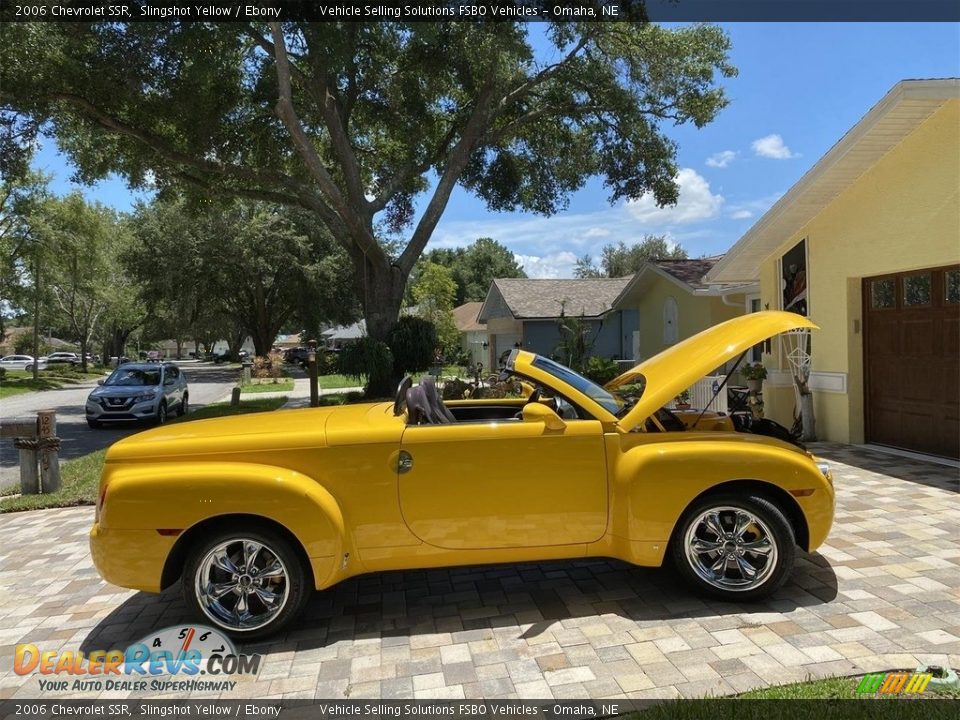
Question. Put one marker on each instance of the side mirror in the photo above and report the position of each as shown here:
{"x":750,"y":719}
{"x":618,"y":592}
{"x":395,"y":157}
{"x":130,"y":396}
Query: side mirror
{"x":100,"y":381}
{"x":538,"y":412}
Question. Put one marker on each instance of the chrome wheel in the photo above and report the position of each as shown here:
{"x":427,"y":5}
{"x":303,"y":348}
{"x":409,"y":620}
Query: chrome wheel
{"x":730,"y":548}
{"x":242,"y":584}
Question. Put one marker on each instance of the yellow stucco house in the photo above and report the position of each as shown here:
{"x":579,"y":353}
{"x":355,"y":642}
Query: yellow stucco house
{"x":673,"y":302}
{"x":867,"y":244}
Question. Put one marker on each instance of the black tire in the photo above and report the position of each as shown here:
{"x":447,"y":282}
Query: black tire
{"x":768,"y":514}
{"x":93,"y":424}
{"x":298,"y":579}
{"x":28,"y":368}
{"x":162,"y":413}
{"x":184,"y":405}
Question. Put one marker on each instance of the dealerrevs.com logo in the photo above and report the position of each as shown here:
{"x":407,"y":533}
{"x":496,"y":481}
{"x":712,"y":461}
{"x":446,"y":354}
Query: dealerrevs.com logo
{"x":176,"y":659}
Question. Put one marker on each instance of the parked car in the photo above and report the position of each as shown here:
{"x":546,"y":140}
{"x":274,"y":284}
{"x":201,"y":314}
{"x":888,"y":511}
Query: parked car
{"x":22,"y":362}
{"x":64,"y":358}
{"x":144,"y":392}
{"x":297,"y":355}
{"x":253,"y":512}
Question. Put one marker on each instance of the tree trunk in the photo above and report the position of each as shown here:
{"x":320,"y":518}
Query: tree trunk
{"x":262,"y":340}
{"x":382,"y":290}
{"x":807,"y":418}
{"x":83,"y":354}
{"x":36,"y":319}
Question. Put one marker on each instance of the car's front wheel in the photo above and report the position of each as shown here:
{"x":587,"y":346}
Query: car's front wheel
{"x":28,"y":368}
{"x":184,"y":406}
{"x":734,"y":547}
{"x":162,"y":413}
{"x":249,"y":583}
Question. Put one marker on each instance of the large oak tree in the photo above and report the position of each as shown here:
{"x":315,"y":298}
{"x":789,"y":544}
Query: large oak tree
{"x":370,"y":126}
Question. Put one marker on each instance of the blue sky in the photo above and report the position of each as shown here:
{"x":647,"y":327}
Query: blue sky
{"x":800,"y":88}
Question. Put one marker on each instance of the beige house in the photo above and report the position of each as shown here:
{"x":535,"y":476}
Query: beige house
{"x":473,"y":333}
{"x":867,"y":244}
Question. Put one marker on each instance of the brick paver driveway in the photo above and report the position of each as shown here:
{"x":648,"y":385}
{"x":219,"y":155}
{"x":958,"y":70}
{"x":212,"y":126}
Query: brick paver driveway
{"x":884,"y":593}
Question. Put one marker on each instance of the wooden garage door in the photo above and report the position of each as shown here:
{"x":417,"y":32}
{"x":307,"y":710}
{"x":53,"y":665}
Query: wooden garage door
{"x":912,"y":360}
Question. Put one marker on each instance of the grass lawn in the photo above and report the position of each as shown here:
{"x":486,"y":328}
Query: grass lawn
{"x":284,"y":385}
{"x":329,"y":382}
{"x":81,"y":475}
{"x":829,"y":689}
{"x":17,"y":382}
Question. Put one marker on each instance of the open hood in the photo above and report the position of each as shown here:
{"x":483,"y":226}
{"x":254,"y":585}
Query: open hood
{"x":678,"y":367}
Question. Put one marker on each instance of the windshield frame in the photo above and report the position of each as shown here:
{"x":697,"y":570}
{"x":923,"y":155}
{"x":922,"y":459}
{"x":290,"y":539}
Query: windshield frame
{"x":562,"y":374}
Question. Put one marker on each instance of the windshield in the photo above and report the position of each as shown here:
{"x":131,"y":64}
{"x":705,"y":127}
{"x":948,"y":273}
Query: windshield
{"x":134,"y":376}
{"x":609,"y":402}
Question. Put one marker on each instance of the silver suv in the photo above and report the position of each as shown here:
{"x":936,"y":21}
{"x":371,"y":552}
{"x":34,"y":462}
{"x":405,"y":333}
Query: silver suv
{"x":145,"y":392}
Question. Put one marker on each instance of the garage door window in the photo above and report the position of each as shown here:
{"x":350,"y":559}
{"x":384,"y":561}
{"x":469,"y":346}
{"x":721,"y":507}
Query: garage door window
{"x":883,"y":294}
{"x":952,"y":287}
{"x":916,"y":290}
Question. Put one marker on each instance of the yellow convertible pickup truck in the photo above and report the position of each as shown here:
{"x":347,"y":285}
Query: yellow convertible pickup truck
{"x":252,"y":513}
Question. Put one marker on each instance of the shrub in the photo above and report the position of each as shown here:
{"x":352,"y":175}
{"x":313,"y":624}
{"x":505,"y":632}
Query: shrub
{"x":601,"y":370}
{"x":754,"y":372}
{"x":268,"y":366}
{"x":327,"y":362}
{"x":371,"y":358}
{"x":412,"y":342}
{"x":24,"y":345}
{"x":3,"y":373}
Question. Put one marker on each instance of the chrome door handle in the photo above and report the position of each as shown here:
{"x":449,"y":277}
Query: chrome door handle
{"x":404,"y":462}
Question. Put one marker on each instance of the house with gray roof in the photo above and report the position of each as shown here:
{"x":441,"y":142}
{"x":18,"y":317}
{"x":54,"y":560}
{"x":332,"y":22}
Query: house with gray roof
{"x":523,"y":312}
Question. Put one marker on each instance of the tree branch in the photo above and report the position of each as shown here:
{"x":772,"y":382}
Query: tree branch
{"x":360,"y":234}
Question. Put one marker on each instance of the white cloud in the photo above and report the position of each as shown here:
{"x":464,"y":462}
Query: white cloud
{"x":741,"y":215}
{"x":556,"y":265}
{"x":694,"y":204}
{"x":721,"y":159}
{"x":772,"y":146}
{"x":596,"y":232}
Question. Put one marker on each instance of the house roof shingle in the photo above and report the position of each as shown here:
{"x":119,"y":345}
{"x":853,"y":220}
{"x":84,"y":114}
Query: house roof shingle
{"x":689,"y":271}
{"x":537,"y":298}
{"x":465,"y":317}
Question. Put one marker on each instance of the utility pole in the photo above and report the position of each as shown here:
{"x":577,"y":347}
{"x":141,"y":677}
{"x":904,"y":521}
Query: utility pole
{"x":36,"y":317}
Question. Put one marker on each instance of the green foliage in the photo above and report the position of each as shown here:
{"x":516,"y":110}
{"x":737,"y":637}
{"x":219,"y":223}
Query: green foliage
{"x":619,"y":260}
{"x":755,"y":371}
{"x":23,"y":345}
{"x":327,"y":362}
{"x":600,"y":369}
{"x":371,"y":358}
{"x":413,"y":342}
{"x":370,"y":113}
{"x":474,"y":267}
{"x":575,"y":343}
{"x":434,"y":292}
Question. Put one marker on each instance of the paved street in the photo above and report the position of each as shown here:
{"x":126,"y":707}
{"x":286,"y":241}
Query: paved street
{"x":883,"y":593}
{"x":207,"y":384}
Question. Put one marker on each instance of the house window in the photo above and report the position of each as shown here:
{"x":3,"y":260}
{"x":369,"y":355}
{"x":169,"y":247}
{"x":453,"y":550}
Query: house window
{"x":916,"y":289}
{"x":882,"y":294}
{"x":951,"y":283}
{"x":793,"y":278}
{"x":671,"y":321}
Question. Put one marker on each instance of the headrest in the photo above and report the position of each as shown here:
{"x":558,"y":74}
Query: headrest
{"x":418,"y":408}
{"x":439,"y":412}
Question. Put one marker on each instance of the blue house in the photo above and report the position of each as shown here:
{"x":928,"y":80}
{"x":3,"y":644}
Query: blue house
{"x":523,"y":312}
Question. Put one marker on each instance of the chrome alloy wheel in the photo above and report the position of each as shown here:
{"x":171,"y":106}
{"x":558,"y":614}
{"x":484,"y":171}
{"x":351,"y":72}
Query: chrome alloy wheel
{"x":242,"y":584}
{"x":730,"y":548}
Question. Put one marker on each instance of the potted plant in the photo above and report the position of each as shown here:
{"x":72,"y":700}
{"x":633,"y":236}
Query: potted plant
{"x":683,"y":400}
{"x":754,"y":374}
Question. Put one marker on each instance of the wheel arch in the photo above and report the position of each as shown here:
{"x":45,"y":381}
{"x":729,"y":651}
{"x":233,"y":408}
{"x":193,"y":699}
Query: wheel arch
{"x":786,"y":503}
{"x":177,"y":557}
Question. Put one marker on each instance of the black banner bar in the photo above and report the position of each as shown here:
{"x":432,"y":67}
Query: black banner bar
{"x":481,"y":10}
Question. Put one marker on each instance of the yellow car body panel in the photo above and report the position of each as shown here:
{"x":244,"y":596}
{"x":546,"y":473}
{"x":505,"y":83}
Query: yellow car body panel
{"x":472,"y":492}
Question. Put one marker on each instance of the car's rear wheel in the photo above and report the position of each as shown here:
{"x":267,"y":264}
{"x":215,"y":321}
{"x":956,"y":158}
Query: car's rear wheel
{"x":734,"y":547}
{"x":28,"y":368}
{"x":184,"y":406}
{"x":249,"y":583}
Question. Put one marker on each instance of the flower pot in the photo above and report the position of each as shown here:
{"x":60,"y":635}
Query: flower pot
{"x":683,"y":406}
{"x":754,"y":385}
